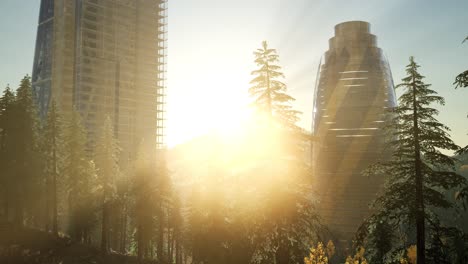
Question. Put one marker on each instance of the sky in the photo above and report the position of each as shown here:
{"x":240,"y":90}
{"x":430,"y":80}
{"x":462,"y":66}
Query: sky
{"x":211,"y":44}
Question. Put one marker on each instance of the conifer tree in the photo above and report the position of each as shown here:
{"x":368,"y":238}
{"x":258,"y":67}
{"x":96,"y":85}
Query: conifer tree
{"x":418,"y":172}
{"x":106,"y":153}
{"x":25,"y":154}
{"x":268,"y":91}
{"x":287,"y":217}
{"x":6,"y":146}
{"x":81,"y":177}
{"x":143,"y":190}
{"x":52,"y":138}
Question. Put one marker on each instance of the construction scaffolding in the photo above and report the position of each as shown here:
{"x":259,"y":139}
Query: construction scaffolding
{"x":161,"y":76}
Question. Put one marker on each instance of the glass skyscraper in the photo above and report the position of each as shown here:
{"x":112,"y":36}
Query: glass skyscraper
{"x":353,"y":89}
{"x":105,"y":58}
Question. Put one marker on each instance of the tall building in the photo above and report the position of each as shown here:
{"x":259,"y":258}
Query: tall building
{"x":354,"y":87}
{"x":105,"y":58}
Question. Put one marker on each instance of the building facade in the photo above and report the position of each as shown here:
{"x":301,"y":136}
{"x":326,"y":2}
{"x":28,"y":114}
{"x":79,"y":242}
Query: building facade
{"x":354,"y":87}
{"x":105,"y":58}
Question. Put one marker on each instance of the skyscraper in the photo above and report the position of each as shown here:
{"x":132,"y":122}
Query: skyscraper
{"x":353,"y":89}
{"x":104,"y":58}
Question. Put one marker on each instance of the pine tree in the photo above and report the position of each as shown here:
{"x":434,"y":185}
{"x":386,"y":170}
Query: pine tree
{"x":6,"y":146}
{"x":287,"y":218}
{"x":106,"y":153}
{"x":81,"y":177}
{"x":143,"y":190}
{"x":268,"y":91}
{"x":52,"y":138}
{"x":418,"y":172}
{"x":25,"y":154}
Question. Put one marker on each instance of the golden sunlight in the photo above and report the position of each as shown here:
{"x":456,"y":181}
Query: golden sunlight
{"x":212,"y":103}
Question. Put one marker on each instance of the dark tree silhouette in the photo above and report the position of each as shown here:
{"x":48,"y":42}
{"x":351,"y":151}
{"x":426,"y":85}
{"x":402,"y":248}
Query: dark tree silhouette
{"x":25,"y":158}
{"x":6,"y":146}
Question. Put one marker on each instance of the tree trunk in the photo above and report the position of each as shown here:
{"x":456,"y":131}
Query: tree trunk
{"x":420,"y":229}
{"x":105,"y":228}
{"x":54,"y":191}
{"x":160,"y":234}
{"x":178,"y":252}
{"x":282,"y":256}
{"x":124,"y":229}
{"x":47,"y":196}
{"x":7,"y":182}
{"x":140,"y":243}
{"x":7,"y":202}
{"x":169,"y":245}
{"x":270,"y":109}
{"x":19,"y":214}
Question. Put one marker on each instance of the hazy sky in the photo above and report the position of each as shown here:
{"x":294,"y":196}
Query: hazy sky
{"x":211,"y":44}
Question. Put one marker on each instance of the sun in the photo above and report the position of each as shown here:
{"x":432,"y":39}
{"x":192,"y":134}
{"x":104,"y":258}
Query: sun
{"x":209,"y":106}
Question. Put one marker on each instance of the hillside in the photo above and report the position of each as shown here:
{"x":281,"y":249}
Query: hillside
{"x":25,"y":245}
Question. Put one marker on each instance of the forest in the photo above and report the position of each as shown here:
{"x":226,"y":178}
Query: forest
{"x":250,"y":199}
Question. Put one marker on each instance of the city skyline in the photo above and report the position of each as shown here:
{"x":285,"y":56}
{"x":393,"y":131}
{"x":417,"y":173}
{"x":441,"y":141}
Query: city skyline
{"x":224,"y":43}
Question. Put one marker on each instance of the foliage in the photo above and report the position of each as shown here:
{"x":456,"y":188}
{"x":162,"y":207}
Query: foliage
{"x":411,"y":254}
{"x":143,"y":190}
{"x":287,"y":205}
{"x":80,"y":173}
{"x":106,"y":153}
{"x":51,"y":140}
{"x":358,"y":257}
{"x":462,"y":79}
{"x":7,"y":147}
{"x":418,"y":172}
{"x":437,"y":251}
{"x":320,"y":254}
{"x":268,"y":91}
{"x":20,"y":141}
{"x":377,"y":236}
{"x":253,"y":203}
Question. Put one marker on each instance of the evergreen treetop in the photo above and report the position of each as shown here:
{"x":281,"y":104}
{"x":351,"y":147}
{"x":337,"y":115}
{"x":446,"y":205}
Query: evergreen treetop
{"x":268,"y":91}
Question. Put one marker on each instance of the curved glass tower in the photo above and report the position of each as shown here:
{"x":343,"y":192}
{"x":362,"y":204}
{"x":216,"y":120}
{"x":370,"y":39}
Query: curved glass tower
{"x":353,"y":89}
